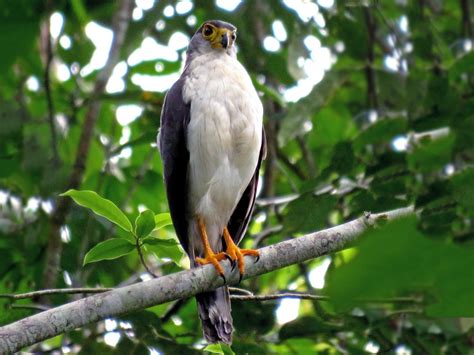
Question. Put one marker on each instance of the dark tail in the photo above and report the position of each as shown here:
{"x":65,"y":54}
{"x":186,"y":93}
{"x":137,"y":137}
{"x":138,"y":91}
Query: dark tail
{"x":215,"y":313}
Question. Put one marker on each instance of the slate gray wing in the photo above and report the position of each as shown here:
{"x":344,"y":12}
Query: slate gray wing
{"x":175,"y":117}
{"x":240,"y":218}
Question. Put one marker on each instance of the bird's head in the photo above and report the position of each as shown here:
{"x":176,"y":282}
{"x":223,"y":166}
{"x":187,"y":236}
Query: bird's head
{"x":214,"y":35}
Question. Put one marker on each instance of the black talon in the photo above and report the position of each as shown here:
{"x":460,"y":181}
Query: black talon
{"x":234,"y":263}
{"x":227,"y":256}
{"x":223,"y":277}
{"x":240,"y":277}
{"x":258,"y":258}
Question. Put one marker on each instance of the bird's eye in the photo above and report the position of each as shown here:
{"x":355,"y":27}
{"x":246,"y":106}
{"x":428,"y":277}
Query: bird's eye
{"x":233,"y":36}
{"x":207,"y":31}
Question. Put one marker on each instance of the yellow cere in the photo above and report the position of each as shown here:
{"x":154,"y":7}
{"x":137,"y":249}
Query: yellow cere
{"x":214,"y":35}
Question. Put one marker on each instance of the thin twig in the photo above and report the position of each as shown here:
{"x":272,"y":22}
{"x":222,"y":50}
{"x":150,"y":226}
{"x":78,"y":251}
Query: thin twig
{"x":266,"y":233}
{"x":36,"y":307}
{"x":241,"y":291}
{"x":308,"y":296}
{"x":403,"y":311}
{"x":48,"y":47}
{"x":307,"y":155}
{"x":143,"y":139}
{"x":369,"y":70}
{"x":466,"y":19}
{"x":293,"y":167}
{"x":289,"y":178}
{"x":398,"y":43}
{"x":175,"y":307}
{"x":276,"y":200}
{"x":142,"y":259}
{"x":54,"y":291}
{"x":408,"y":299}
{"x":277,"y":296}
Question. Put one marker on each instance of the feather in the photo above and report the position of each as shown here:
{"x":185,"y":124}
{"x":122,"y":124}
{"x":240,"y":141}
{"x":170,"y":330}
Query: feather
{"x":213,"y":307}
{"x":211,"y":142}
{"x":175,"y":156}
{"x":240,"y":218}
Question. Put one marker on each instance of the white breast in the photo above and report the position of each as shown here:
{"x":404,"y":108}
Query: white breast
{"x":224,"y":137}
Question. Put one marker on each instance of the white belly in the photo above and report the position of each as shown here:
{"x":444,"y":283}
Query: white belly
{"x":224,"y":138}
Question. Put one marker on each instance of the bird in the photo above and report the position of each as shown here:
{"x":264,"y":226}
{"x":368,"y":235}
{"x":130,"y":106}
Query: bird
{"x":212,"y":142}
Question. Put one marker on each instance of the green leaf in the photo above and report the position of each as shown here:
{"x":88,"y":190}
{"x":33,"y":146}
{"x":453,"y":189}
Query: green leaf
{"x":390,"y":181}
{"x":164,"y":248}
{"x":162,"y":220}
{"x":80,"y":11}
{"x":145,"y":224}
{"x":262,"y":313}
{"x":464,"y":64}
{"x":380,"y":131}
{"x":108,"y":250}
{"x":431,"y":154}
{"x":397,"y":260}
{"x":219,"y":348}
{"x":305,"y":327}
{"x":21,"y":18}
{"x":463,"y":188}
{"x":331,"y":126}
{"x":302,"y":219}
{"x":101,"y":207}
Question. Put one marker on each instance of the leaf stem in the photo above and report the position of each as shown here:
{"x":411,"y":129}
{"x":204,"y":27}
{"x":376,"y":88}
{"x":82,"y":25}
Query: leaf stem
{"x":142,"y":259}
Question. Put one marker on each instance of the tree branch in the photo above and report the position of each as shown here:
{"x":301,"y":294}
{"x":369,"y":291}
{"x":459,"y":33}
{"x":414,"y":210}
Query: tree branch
{"x":466,"y":19}
{"x":278,"y":296}
{"x":242,"y":291}
{"x":308,"y":296}
{"x":307,"y":155}
{"x":47,"y":47}
{"x":268,"y":232}
{"x":416,"y":138}
{"x":54,"y":249}
{"x":184,"y":284}
{"x":293,"y":167}
{"x":54,"y":291}
{"x":369,"y":69}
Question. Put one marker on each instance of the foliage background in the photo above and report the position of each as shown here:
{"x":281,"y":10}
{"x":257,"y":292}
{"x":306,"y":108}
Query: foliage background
{"x":388,"y":124}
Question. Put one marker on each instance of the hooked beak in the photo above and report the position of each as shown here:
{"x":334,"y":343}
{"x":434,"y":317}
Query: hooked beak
{"x":222,"y":39}
{"x":225,"y":40}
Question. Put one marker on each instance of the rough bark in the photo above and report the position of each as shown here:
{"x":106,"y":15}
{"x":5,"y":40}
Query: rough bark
{"x":50,"y":323}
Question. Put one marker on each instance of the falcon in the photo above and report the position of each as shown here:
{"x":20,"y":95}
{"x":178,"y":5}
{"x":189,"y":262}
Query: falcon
{"x":212,"y":143}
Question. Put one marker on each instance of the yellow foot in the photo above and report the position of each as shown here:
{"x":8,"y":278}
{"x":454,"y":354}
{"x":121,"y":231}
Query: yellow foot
{"x":237,"y":254}
{"x":210,"y":256}
{"x":214,"y":259}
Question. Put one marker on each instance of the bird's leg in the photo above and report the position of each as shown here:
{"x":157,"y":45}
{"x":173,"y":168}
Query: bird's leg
{"x":237,"y":254}
{"x":209,"y":256}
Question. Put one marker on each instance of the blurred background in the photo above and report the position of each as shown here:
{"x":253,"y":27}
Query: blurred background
{"x":369,"y":107}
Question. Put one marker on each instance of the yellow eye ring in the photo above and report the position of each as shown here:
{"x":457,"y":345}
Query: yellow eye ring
{"x":207,"y":31}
